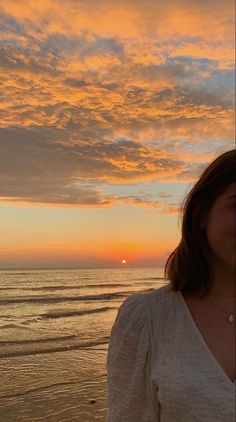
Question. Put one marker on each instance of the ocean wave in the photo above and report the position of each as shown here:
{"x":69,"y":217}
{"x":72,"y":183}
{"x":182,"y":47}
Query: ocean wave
{"x":42,"y":288}
{"x":57,"y":349}
{"x":56,"y":299}
{"x":10,"y":326}
{"x":39,"y":340}
{"x":49,"y":386}
{"x":149,"y":278}
{"x":65,"y":314}
{"x":9,"y":288}
{"x":24,"y":273}
{"x":109,"y":285}
{"x":64,"y":287}
{"x":18,"y":326}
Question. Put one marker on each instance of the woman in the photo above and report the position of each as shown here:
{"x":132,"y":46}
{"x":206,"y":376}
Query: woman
{"x":171,"y":355}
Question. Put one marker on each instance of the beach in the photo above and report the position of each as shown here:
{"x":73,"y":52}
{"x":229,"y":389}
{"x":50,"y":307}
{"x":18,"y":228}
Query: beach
{"x":55,"y":328}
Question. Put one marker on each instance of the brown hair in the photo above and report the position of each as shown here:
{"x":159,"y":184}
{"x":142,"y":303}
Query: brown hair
{"x":188,"y":267}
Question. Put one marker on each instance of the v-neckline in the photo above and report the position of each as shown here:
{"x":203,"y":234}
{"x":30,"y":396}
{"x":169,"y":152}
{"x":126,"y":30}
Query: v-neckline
{"x":204,"y":344}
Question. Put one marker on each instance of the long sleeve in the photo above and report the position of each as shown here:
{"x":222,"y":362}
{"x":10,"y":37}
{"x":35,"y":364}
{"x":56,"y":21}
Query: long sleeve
{"x":131,"y":393}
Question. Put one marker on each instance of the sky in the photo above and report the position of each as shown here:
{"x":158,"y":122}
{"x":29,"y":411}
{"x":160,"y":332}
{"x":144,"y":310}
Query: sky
{"x":109,"y":113}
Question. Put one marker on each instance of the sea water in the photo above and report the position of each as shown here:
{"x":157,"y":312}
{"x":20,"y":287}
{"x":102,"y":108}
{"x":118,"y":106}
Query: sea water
{"x":54,"y":333}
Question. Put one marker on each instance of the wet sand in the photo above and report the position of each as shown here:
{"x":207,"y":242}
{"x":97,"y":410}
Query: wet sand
{"x":60,"y":396}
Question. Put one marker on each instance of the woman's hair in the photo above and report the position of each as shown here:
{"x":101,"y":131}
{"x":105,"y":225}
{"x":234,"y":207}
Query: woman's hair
{"x":188,"y":267}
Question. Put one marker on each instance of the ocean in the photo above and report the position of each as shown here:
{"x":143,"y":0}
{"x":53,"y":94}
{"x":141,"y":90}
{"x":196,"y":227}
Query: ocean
{"x":55,"y":327}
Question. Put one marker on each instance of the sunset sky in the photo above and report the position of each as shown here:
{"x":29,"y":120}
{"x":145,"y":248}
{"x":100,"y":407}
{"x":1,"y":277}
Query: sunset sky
{"x":110,"y":111}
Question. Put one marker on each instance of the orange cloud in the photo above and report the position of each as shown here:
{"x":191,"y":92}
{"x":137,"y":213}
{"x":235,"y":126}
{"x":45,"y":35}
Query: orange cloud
{"x":118,"y":93}
{"x":128,"y":16}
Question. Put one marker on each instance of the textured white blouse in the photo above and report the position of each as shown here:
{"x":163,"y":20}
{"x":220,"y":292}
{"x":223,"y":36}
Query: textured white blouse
{"x":159,"y":367}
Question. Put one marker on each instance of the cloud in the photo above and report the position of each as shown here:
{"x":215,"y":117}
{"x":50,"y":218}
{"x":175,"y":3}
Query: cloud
{"x":43,"y":171}
{"x":115,"y":93}
{"x":58,"y":173}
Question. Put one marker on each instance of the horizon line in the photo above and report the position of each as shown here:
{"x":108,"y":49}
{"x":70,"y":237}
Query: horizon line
{"x":75,"y":268}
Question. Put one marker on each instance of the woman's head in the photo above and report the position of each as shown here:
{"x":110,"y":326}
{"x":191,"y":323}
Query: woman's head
{"x":208,"y":228}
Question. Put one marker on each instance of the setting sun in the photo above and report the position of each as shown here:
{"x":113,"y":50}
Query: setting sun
{"x":123,"y":261}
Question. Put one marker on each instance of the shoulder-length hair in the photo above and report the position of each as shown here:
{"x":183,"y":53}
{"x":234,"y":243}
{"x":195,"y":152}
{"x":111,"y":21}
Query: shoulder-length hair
{"x":188,"y":267}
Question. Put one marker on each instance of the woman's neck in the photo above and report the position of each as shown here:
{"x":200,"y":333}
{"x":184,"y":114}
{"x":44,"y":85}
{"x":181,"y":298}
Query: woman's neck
{"x":224,"y":283}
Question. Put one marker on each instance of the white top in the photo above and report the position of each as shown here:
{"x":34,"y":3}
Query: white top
{"x":159,"y":367}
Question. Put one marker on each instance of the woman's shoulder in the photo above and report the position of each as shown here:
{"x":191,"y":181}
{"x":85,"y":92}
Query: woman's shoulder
{"x":164,"y":294}
{"x":136,"y":307}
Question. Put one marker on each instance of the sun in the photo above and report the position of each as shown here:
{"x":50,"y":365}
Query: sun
{"x":123,"y":261}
